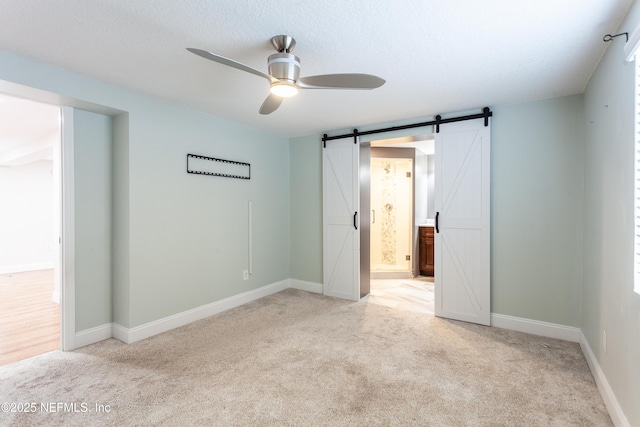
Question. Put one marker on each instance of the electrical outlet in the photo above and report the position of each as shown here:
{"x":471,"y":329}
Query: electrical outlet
{"x":604,"y":341}
{"x":245,"y":275}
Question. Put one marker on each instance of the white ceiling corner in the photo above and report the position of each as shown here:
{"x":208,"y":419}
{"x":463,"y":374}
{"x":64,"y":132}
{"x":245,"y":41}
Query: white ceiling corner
{"x":437,"y":57}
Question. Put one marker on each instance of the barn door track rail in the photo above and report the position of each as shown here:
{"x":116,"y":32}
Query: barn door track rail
{"x":486,"y":113}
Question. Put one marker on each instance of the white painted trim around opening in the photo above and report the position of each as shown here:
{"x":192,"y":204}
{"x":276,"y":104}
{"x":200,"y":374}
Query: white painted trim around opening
{"x":536,"y":327}
{"x":68,"y":285}
{"x":631,"y":47}
{"x":610,"y":400}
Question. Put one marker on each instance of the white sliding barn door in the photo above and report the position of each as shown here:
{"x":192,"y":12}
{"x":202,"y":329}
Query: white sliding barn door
{"x":462,"y":203}
{"x":341,"y":235}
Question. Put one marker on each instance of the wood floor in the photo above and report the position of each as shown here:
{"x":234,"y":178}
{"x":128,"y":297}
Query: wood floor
{"x":416,"y":294}
{"x":29,"y":319}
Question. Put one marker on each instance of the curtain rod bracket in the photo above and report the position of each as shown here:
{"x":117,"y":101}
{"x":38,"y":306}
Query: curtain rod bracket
{"x":609,"y":37}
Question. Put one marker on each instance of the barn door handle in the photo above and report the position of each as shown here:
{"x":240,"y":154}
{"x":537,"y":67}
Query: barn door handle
{"x":355,"y":218}
{"x":437,"y":228}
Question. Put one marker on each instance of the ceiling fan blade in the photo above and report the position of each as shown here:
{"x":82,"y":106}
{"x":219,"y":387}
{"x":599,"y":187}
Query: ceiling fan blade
{"x":231,"y":63}
{"x":340,"y":81}
{"x":270,"y":104}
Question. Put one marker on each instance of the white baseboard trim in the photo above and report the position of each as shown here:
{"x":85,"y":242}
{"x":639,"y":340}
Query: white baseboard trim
{"x":119,"y":332}
{"x":6,"y":269}
{"x":536,"y":327}
{"x":610,"y":401}
{"x":306,"y":286}
{"x":93,"y":335}
{"x":156,"y":327}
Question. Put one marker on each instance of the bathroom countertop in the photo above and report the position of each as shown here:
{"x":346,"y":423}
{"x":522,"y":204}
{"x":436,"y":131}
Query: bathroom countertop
{"x":429,"y":223}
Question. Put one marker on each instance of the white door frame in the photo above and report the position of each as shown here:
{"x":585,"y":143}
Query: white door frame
{"x":68,"y":288}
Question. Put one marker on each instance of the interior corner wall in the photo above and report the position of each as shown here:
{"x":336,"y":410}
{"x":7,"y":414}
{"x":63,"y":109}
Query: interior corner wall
{"x":609,"y":303}
{"x":306,"y":208}
{"x":92,"y":135}
{"x":422,"y":191}
{"x":121,"y":265}
{"x":537,"y":190}
{"x":431,"y":186}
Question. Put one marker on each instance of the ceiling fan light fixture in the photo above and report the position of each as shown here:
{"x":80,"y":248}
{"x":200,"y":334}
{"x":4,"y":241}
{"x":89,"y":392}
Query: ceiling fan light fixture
{"x":284,"y":89}
{"x":284,"y":74}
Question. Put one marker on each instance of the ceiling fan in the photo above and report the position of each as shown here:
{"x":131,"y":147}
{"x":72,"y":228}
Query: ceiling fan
{"x":284,"y":74}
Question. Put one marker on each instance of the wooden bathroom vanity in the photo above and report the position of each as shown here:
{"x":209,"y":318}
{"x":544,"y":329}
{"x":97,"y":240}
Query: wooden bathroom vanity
{"x":426,"y":249}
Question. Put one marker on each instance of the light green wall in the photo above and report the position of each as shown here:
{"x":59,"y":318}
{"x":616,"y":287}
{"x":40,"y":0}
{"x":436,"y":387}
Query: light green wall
{"x":608,"y":300}
{"x":537,"y":154}
{"x":180,"y":240}
{"x":306,"y":209}
{"x":189,"y":233}
{"x":120,"y":254}
{"x":92,"y":159}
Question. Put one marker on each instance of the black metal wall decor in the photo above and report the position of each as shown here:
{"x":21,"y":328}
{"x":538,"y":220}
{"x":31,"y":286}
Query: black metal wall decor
{"x":202,"y":165}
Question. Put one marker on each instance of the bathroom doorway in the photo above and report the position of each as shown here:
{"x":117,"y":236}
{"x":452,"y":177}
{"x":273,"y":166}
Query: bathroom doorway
{"x":401,"y":200}
{"x":399,"y":196}
{"x":392,"y":207}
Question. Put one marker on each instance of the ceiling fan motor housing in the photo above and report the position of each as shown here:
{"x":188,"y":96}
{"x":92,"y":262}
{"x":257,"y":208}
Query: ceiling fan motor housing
{"x":284,"y":66}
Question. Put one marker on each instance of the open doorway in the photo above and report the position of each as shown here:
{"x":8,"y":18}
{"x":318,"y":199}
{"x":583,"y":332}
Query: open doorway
{"x":401,"y":201}
{"x":30,"y":207}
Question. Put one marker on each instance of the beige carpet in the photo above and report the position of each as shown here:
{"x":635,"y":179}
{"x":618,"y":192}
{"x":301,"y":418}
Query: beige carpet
{"x":302,"y":359}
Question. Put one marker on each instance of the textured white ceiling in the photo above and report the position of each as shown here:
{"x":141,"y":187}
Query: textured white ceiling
{"x":436,"y":56}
